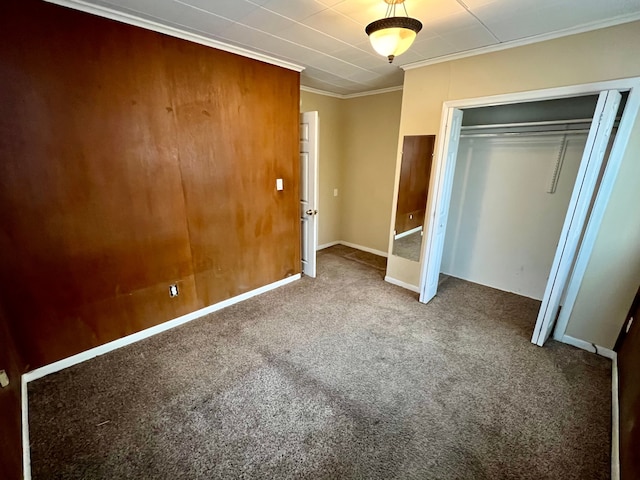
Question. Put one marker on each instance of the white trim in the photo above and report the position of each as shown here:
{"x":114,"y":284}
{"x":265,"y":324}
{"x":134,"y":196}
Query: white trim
{"x":615,"y":422}
{"x":350,"y":95}
{"x":402,"y":284}
{"x":605,"y":189}
{"x":587,"y":27}
{"x":443,"y":173}
{"x":374,"y":92}
{"x":577,"y":214}
{"x":622,"y":84}
{"x":353,"y":245}
{"x":407,"y":233}
{"x":147,"y":24}
{"x":589,"y":347}
{"x":149,"y":332}
{"x":309,"y":147}
{"x":363,"y":248}
{"x":26,"y":449}
{"x":320,"y":92}
{"x":327,"y":245}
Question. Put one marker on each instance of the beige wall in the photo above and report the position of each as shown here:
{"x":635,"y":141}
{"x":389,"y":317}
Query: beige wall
{"x":331,"y":145}
{"x":371,"y":129}
{"x":594,"y":56}
{"x":358,"y":144}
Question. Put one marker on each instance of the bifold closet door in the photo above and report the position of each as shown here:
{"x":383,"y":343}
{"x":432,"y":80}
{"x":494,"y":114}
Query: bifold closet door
{"x":583,"y":192}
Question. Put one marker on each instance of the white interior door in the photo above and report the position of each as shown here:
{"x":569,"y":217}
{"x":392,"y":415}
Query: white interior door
{"x":309,"y":191}
{"x":437,"y":222}
{"x":583,"y":192}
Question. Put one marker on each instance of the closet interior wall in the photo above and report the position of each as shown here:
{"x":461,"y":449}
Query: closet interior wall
{"x":514,"y":176}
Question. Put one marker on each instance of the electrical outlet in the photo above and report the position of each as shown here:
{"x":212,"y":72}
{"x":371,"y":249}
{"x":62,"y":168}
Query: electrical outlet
{"x":173,"y":290}
{"x":4,"y":379}
{"x":279,"y":184}
{"x":335,"y":192}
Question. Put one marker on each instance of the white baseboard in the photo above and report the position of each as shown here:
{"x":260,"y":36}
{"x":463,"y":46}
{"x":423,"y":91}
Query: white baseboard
{"x":116,"y":344}
{"x":327,"y":245}
{"x":590,"y":347}
{"x":363,"y":248}
{"x":149,"y":332}
{"x":615,"y":422}
{"x":407,"y":233}
{"x":26,"y":450}
{"x":399,"y":283}
{"x":352,"y":245}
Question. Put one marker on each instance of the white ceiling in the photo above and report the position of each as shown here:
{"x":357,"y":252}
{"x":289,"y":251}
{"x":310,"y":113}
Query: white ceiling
{"x":327,"y":37}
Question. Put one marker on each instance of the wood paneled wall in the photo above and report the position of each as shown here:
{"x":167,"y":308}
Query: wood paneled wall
{"x":10,"y":433}
{"x":628,"y":349}
{"x":131,"y":160}
{"x":417,"y":156}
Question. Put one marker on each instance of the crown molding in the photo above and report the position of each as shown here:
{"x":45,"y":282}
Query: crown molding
{"x":320,"y":92}
{"x":130,"y":19}
{"x":587,"y":27}
{"x":350,"y":95}
{"x":374,"y":92}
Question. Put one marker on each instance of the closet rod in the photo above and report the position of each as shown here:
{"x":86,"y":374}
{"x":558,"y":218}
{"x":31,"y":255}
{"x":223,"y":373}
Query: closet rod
{"x":528,"y":134}
{"x":528,"y":124}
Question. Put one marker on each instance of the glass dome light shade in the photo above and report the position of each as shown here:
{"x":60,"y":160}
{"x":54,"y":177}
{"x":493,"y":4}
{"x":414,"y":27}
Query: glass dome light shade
{"x":393,"y":36}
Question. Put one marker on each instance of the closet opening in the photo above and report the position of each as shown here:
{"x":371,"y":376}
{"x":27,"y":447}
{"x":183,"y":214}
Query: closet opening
{"x":520,"y":188}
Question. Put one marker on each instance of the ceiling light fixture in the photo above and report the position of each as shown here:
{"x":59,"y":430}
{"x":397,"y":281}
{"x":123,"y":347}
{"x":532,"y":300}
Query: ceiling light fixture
{"x":391,"y":35}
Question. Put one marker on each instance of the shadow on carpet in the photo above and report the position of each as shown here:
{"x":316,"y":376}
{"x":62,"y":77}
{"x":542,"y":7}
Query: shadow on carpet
{"x":342,"y":376}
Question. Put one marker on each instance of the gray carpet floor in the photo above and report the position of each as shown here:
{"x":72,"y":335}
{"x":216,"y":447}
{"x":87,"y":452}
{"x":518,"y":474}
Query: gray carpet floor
{"x":342,"y":376}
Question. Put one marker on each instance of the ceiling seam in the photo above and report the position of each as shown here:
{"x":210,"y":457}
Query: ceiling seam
{"x":464,"y":5}
{"x":276,"y":36}
{"x":222,"y":37}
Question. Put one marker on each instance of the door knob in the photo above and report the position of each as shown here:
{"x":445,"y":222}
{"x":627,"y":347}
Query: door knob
{"x":311,"y":212}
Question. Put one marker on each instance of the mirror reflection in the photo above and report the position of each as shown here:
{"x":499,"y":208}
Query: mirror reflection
{"x":417,"y":155}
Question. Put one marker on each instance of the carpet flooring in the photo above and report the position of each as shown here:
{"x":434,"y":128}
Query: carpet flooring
{"x":342,"y":376}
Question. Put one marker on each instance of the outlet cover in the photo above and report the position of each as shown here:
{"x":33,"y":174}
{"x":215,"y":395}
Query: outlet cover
{"x":173,"y":290}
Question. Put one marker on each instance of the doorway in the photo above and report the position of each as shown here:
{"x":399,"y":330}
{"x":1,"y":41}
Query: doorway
{"x":309,"y":129}
{"x":578,"y":234}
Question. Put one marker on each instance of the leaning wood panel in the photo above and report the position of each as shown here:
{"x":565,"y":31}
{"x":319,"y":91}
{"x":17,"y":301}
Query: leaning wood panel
{"x":417,"y":156}
{"x":108,"y":178}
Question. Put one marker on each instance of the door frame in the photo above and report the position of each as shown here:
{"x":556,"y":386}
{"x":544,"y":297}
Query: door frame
{"x":584,"y":190}
{"x":445,"y":166}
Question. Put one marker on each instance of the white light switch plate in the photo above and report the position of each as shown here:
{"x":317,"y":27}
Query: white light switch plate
{"x":279,"y":184}
{"x":4,"y":379}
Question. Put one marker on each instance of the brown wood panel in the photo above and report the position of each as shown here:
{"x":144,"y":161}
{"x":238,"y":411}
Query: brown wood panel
{"x":130,"y":161}
{"x":629,"y":396}
{"x":10,"y":432}
{"x":410,"y":220}
{"x":415,"y":172}
{"x":244,"y":233}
